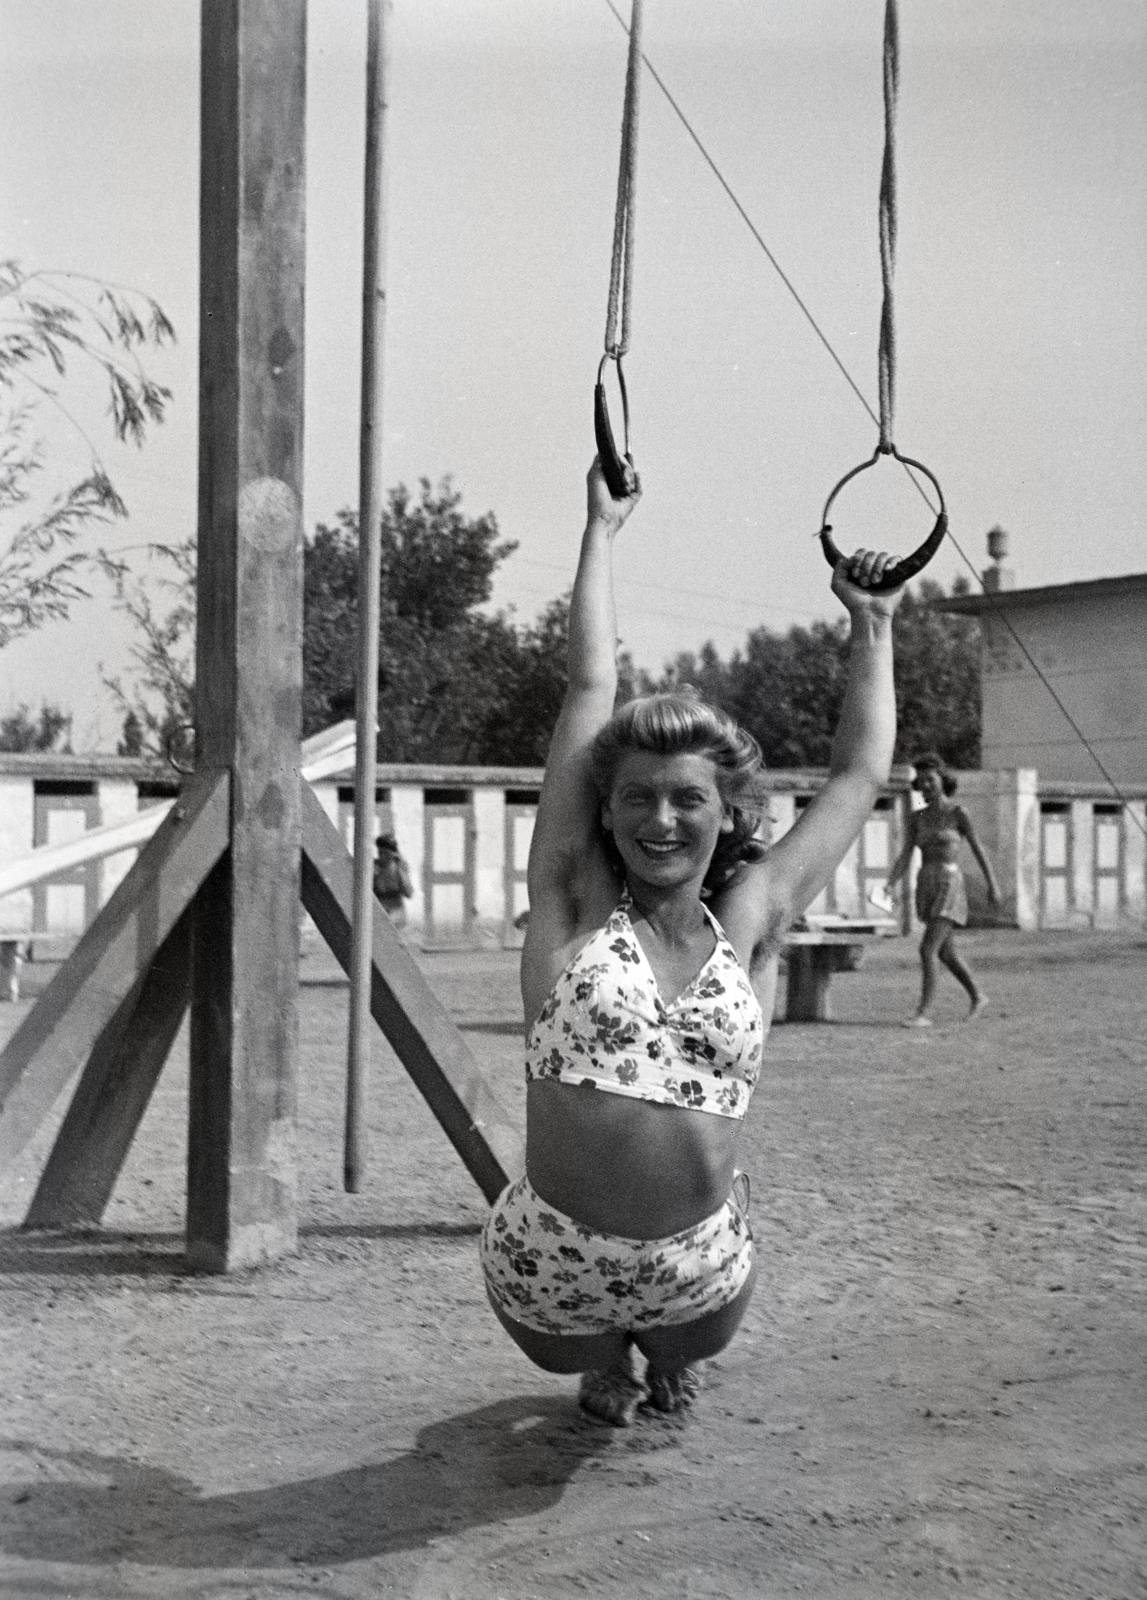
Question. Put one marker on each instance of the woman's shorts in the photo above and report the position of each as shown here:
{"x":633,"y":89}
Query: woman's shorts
{"x":555,"y":1275}
{"x":940,"y":892}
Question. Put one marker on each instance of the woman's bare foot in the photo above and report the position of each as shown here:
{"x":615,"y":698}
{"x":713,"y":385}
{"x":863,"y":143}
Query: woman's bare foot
{"x":977,"y":1006}
{"x":614,"y":1394}
{"x":673,"y":1390}
{"x":920,"y":1020}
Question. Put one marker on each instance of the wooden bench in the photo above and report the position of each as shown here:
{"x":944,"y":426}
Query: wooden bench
{"x":12,"y":955}
{"x":819,"y":946}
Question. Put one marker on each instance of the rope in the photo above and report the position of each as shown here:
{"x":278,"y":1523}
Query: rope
{"x":887,"y":356}
{"x":621,"y":265}
{"x":863,"y":399}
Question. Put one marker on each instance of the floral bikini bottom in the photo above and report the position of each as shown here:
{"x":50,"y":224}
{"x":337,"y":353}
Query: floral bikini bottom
{"x":555,"y":1275}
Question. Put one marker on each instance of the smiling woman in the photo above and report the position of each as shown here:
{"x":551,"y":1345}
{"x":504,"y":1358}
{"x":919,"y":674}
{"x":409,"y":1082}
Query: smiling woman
{"x":651,"y":902}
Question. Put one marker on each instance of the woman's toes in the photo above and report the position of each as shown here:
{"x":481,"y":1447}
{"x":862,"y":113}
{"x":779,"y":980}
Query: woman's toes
{"x":612,"y":1396}
{"x":674,"y":1389}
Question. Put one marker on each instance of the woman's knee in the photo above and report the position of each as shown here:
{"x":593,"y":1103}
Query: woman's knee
{"x":683,"y":1342}
{"x":560,"y":1352}
{"x":936,"y":935}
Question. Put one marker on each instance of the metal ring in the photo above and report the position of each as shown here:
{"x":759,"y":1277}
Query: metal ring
{"x":893,"y":576}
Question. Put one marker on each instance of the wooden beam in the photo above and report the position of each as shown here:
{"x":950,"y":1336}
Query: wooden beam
{"x":241,"y":1203}
{"x":114,"y":1090}
{"x":59,"y":1033}
{"x":410,"y":1014}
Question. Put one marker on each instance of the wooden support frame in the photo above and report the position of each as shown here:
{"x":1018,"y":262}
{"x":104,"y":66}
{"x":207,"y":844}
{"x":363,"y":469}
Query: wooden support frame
{"x":210,"y":909}
{"x":241,"y":1202}
{"x":113,"y":1092}
{"x":60,"y":1033}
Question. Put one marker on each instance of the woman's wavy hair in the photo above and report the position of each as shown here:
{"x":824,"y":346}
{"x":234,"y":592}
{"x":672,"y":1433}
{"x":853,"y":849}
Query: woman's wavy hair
{"x":933,"y":763}
{"x":682,"y":723}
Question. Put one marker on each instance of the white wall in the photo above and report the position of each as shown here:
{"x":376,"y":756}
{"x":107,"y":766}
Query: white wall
{"x":119,"y":802}
{"x":1093,"y":650}
{"x":409,"y":813}
{"x":490,"y":863}
{"x":16,"y":823}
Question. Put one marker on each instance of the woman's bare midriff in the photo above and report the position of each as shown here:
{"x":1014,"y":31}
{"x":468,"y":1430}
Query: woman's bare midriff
{"x":625,"y":1166}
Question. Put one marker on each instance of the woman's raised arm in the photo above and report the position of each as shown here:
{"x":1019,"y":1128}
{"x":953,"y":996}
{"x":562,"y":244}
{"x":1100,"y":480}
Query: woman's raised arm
{"x":804,"y":860}
{"x":565,"y":834}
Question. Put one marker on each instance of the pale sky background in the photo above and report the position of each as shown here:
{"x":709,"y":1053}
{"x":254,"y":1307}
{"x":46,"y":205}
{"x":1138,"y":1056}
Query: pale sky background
{"x":1022,"y":290}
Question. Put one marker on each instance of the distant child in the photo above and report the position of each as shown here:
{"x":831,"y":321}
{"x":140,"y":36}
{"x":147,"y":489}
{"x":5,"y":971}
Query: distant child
{"x":392,"y":885}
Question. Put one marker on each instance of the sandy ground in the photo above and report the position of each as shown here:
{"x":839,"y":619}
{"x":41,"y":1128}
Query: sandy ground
{"x":940,"y":1388}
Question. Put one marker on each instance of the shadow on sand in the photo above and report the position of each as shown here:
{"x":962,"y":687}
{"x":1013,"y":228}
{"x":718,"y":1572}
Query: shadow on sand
{"x":511,"y":1459}
{"x":100,"y":1253}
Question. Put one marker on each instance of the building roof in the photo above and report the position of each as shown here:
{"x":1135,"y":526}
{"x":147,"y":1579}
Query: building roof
{"x":1051,"y":594}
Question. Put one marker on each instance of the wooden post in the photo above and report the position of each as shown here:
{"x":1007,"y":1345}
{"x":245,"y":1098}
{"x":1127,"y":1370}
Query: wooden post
{"x":369,"y":561}
{"x":242,"y":1205}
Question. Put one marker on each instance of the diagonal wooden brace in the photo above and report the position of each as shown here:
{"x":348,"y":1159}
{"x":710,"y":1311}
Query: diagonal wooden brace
{"x":419,"y":1028}
{"x":114,"y":1089}
{"x":60,"y":1033}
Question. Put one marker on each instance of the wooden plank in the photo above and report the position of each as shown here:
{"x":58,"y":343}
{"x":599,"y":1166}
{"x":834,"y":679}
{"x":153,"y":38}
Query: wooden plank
{"x":114,"y":1090}
{"x":410,"y":1014}
{"x":59,"y":1033}
{"x":242,"y":1206}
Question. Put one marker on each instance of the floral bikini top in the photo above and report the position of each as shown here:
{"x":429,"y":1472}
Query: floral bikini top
{"x":606,"y":1025}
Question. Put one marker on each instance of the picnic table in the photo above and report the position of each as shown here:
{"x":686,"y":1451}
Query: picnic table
{"x":820,"y":945}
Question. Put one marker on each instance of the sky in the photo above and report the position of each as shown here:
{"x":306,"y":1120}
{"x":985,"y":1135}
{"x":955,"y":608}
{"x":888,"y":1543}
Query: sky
{"x":1021,"y":284}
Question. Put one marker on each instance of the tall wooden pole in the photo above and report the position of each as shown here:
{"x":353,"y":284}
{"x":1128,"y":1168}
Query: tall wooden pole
{"x":369,"y":560}
{"x":241,"y":1203}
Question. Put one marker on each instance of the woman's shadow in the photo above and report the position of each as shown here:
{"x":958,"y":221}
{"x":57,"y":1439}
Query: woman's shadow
{"x":510,"y":1459}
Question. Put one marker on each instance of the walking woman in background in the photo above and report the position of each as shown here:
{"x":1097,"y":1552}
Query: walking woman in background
{"x":941,"y":900}
{"x":651,"y":901}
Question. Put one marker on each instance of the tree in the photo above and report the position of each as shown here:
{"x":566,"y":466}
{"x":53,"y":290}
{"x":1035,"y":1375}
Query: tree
{"x":937,"y":657}
{"x":48,"y":319}
{"x":532,"y":687}
{"x":20,"y":731}
{"x":440,"y":660}
{"x":159,"y":705}
{"x":787,"y":690}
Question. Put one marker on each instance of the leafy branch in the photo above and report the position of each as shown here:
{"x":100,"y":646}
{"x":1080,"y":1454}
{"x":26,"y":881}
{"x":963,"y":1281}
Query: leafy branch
{"x":160,"y":705}
{"x":48,"y":319}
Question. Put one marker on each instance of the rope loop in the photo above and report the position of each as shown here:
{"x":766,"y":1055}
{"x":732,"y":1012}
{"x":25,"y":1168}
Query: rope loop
{"x":887,"y":355}
{"x":618,"y":469}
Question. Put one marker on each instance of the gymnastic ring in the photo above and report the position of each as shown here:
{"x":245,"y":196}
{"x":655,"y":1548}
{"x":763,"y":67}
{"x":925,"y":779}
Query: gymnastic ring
{"x":618,"y":470}
{"x":893,"y":576}
{"x":169,"y":740}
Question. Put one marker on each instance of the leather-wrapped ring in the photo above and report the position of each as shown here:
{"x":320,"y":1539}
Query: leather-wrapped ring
{"x":619,"y":472}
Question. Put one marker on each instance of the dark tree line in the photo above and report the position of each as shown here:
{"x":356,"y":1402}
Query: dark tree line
{"x":455,"y":684}
{"x":459,"y":684}
{"x":787,"y":689}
